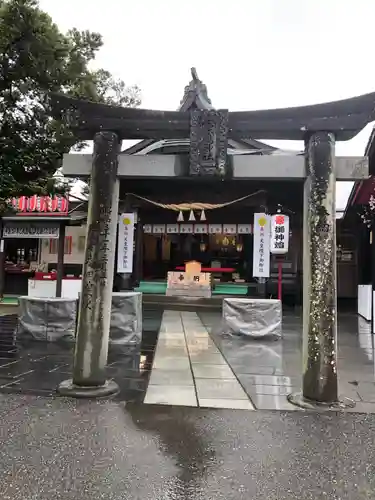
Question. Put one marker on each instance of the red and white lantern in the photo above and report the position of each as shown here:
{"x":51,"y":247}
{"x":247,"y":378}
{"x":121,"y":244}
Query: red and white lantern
{"x":33,"y":203}
{"x":54,"y":203}
{"x":22,"y":204}
{"x":62,"y":204}
{"x":279,"y":234}
{"x":41,"y":204}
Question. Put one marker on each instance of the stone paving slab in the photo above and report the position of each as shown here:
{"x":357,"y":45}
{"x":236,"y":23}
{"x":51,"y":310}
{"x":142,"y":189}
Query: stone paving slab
{"x":198,"y":376}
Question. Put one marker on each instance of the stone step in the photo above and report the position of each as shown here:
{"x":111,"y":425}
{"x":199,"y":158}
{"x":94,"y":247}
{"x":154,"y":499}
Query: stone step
{"x":183,"y":303}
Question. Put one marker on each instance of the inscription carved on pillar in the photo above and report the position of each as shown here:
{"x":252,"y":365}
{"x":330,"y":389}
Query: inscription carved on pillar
{"x":95,"y":305}
{"x":208,"y":142}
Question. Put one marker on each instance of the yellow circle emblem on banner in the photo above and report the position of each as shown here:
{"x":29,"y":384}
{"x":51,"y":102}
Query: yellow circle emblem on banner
{"x":262,"y":221}
{"x":126,"y":221}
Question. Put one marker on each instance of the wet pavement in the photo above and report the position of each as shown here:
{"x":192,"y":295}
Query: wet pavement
{"x":269,"y":370}
{"x":37,"y":368}
{"x":70,"y":449}
{"x":195,"y":365}
{"x":53,"y":447}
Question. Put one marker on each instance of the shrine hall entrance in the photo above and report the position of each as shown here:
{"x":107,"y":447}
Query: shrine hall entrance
{"x":228,"y":255}
{"x":215,"y":229}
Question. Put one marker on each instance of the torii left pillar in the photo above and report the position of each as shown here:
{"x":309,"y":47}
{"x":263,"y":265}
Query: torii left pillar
{"x":91,"y":352}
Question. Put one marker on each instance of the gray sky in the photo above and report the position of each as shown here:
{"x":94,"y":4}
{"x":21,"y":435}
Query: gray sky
{"x":251,"y":54}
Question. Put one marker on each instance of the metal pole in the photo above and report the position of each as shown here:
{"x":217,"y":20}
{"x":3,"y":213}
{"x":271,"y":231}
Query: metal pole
{"x":138,"y":268}
{"x":279,"y":280}
{"x":60,"y":260}
{"x":89,"y":376}
{"x":373,"y":275}
{"x":2,"y":261}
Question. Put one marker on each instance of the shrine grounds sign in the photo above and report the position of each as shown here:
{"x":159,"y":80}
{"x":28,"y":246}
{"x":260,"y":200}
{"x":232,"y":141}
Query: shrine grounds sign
{"x":31,"y":230}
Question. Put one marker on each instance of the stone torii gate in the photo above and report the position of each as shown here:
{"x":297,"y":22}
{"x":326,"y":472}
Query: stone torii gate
{"x":319,"y":126}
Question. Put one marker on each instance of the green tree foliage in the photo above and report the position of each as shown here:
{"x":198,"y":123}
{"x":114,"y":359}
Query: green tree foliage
{"x":36,"y":58}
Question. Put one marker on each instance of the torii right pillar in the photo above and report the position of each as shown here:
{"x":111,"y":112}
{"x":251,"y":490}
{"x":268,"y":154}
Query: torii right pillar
{"x":320,"y":383}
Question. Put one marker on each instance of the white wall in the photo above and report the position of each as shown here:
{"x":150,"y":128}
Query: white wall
{"x":76,"y":257}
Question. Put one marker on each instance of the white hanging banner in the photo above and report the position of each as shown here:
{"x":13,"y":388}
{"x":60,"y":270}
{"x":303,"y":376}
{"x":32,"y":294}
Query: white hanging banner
{"x":230,"y":228}
{"x":244,"y":229}
{"x":158,"y":228}
{"x":279,"y":234}
{"x":261,"y":252}
{"x":173,"y":229}
{"x":215,"y":228}
{"x":186,"y":228}
{"x":125,"y":243}
{"x":200,"y":228}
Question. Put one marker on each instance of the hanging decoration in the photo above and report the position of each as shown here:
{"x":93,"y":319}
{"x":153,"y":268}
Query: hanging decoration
{"x":191,"y":216}
{"x":215,"y":228}
{"x":239,"y":247}
{"x":173,"y":229}
{"x":158,"y":228}
{"x":186,"y":228}
{"x":198,"y":206}
{"x":202,"y":246}
{"x":229,"y":228}
{"x":180,"y":217}
{"x":244,"y":228}
{"x":200,"y":228}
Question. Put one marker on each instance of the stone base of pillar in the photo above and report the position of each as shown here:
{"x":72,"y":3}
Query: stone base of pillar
{"x":298,"y":399}
{"x":67,"y":388}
